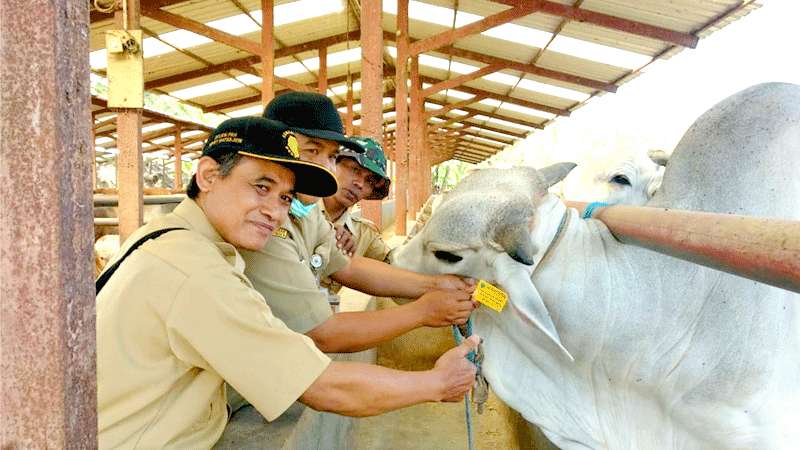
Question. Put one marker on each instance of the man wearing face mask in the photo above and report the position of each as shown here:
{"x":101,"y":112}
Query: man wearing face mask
{"x":177,"y":318}
{"x":287,"y":271}
{"x":361,"y":176}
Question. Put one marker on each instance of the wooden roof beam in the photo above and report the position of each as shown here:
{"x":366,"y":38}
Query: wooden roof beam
{"x":612,"y":22}
{"x":518,"y":134}
{"x":522,"y":67}
{"x":460,"y":151}
{"x":446,"y":109}
{"x":473,"y":152}
{"x":463,"y":152}
{"x":97,"y":101}
{"x":504,"y":98}
{"x":450,"y":36}
{"x":461,"y":79}
{"x":453,"y":120}
{"x":294,"y":85}
{"x":493,"y":115}
{"x":485,"y":146}
{"x":465,"y":131}
{"x":257,"y":98}
{"x":470,"y":153}
{"x":202,"y":29}
{"x":238,"y":64}
{"x":530,"y":68}
{"x":502,"y":141}
{"x":249,"y":61}
{"x":467,"y":125}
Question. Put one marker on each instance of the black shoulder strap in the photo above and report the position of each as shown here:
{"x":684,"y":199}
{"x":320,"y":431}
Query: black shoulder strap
{"x":105,"y":276}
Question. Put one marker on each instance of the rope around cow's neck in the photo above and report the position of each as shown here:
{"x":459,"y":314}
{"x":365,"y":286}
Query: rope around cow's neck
{"x":470,"y":356}
{"x":556,"y":238}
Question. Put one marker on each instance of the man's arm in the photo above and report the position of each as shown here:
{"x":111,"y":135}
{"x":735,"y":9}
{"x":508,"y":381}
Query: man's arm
{"x":356,"y":331}
{"x":381,"y":279}
{"x":355,"y":389}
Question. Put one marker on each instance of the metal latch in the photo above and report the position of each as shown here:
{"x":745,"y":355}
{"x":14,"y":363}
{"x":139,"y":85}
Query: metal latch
{"x":121,"y":41}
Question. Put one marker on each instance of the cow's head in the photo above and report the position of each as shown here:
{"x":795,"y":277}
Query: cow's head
{"x":486,"y":228}
{"x":629,"y":179}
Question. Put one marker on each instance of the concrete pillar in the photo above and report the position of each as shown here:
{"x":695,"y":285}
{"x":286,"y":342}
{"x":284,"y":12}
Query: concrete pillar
{"x":372,"y":87}
{"x":178,"y":184}
{"x":401,"y":110}
{"x":267,"y":51}
{"x":416,"y":132}
{"x":322,"y":78}
{"x":130,"y":183}
{"x":47,"y":387}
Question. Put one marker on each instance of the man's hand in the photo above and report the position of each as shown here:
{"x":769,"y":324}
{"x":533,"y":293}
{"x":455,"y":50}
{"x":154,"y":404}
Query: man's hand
{"x":344,"y":240}
{"x":446,"y":307}
{"x":454,"y":282}
{"x":455,"y":371}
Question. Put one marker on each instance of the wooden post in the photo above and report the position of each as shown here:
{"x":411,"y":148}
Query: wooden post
{"x":130,"y":183}
{"x":93,"y":152}
{"x":322,"y":78}
{"x":416,"y":132}
{"x":372,"y":88}
{"x":267,"y":51}
{"x":401,"y":110}
{"x":178,"y":185}
{"x":48,"y":389}
{"x":348,"y":122}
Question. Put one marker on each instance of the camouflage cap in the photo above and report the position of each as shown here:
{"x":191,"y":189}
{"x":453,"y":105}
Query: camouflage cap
{"x":374,"y":160}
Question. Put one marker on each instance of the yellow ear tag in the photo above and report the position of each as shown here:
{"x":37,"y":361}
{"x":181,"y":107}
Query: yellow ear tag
{"x":489,"y":295}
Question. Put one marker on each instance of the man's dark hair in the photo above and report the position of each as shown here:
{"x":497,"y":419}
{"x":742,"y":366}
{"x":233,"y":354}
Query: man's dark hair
{"x":227,"y":161}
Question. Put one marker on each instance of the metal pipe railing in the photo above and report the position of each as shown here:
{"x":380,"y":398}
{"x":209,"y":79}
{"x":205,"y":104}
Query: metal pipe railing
{"x":765,"y":250}
{"x":106,"y":221}
{"x":113,"y":200}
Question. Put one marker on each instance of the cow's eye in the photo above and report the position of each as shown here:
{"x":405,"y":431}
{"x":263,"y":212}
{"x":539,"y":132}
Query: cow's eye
{"x":621,"y":179}
{"x":447,"y":256}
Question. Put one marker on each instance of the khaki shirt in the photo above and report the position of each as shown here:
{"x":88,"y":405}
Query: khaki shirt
{"x":282,"y":271}
{"x":369,"y":243}
{"x":176,"y":319}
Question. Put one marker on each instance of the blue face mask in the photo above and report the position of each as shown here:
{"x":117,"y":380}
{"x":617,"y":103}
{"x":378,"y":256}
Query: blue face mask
{"x":299,"y":209}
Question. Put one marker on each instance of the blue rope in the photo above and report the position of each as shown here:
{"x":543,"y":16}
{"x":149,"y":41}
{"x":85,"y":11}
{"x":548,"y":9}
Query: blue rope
{"x":587,"y":213}
{"x":470,"y":356}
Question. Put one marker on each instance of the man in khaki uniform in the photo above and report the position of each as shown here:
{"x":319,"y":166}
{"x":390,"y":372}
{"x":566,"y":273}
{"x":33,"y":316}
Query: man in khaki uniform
{"x":288,"y":269}
{"x":360,"y":176}
{"x":176,"y":316}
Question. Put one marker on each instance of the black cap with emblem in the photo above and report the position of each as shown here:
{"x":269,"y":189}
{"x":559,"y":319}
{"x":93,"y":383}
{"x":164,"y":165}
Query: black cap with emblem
{"x":310,"y":114}
{"x":262,"y":138}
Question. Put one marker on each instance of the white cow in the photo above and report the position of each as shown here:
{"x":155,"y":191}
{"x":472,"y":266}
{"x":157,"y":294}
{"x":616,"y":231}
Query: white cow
{"x":605,"y":345}
{"x":627,"y":179}
{"x":630,"y":178}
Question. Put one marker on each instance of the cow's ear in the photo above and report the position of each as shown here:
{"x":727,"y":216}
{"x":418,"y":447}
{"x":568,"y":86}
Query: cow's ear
{"x":554,"y":173}
{"x":525,"y":301}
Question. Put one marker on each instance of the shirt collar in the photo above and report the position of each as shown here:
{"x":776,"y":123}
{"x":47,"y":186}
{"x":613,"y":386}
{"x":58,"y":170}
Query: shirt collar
{"x":345,"y":219}
{"x":191,"y":212}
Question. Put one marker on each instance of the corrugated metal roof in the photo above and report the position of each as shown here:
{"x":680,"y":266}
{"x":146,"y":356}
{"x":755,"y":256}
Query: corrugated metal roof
{"x":593,"y":52}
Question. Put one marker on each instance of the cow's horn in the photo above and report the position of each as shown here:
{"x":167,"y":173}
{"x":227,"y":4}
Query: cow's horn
{"x":554,"y":173}
{"x":659,"y":157}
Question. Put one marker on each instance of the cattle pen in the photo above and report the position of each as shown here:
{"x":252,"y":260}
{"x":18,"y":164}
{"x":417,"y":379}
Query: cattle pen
{"x":118,"y":83}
